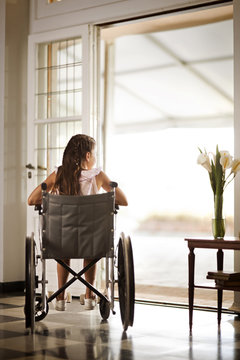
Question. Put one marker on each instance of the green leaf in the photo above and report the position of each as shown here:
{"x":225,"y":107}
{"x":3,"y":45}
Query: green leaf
{"x":212,"y":177}
{"x":220,"y":174}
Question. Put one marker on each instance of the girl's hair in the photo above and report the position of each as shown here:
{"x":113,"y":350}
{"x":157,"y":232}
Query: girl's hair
{"x":67,"y":179}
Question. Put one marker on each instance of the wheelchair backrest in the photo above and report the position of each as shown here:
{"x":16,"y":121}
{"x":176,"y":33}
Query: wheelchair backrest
{"x":77,"y":226}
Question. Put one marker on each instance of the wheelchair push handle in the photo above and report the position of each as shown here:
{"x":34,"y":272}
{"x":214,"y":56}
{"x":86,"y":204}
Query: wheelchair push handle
{"x":44,"y":186}
{"x":113,"y":184}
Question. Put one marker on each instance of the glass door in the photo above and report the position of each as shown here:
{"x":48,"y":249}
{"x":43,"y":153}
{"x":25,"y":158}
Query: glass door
{"x":60,"y":105}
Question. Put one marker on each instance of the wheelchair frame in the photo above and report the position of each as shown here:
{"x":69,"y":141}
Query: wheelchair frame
{"x":36,"y":306}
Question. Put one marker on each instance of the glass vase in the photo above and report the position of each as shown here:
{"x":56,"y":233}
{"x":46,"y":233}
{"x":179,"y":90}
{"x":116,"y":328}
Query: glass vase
{"x":218,"y":221}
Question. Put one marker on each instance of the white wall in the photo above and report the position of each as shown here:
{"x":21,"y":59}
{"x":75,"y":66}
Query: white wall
{"x":15,"y":141}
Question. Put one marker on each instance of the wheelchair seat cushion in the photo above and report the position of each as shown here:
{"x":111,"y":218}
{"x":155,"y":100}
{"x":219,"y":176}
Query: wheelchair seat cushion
{"x":77,"y":226}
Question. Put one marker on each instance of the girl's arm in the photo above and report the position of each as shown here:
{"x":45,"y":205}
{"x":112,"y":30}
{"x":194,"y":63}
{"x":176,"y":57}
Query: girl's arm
{"x":36,"y":196}
{"x":103,"y":181}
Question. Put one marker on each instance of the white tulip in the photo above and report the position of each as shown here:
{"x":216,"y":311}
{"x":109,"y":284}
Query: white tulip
{"x":235,"y":166}
{"x":225,"y":159}
{"x":203,"y":159}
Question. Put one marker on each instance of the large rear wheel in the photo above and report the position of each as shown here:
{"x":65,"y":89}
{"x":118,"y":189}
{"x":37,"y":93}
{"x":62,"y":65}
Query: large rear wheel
{"x":126,"y":281}
{"x":30,"y":284}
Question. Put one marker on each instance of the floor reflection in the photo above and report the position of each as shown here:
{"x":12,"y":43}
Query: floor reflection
{"x":159,"y":333}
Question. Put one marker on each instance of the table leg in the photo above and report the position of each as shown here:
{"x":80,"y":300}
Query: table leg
{"x":191,"y":265}
{"x":219,"y":292}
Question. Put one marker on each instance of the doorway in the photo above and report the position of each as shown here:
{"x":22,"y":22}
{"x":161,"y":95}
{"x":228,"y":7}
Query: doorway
{"x":168,"y":86}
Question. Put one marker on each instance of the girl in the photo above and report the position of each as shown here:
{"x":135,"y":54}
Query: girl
{"x":76,"y":176}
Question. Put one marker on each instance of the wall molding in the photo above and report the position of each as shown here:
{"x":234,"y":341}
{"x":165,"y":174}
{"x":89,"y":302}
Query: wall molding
{"x":15,"y":286}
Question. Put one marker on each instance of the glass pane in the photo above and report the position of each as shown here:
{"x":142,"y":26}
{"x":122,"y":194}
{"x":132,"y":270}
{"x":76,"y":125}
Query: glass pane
{"x":55,"y":158}
{"x":55,"y":106}
{"x":42,"y":160}
{"x":41,"y":83}
{"x":53,"y":130}
{"x":78,"y":77}
{"x":70,"y":129}
{"x":78,"y":50}
{"x":42,"y":51}
{"x":42,"y":136}
{"x":62,"y":79}
{"x":55,"y":80}
{"x":55,"y":54}
{"x":78,"y":102}
{"x":70,"y":104}
{"x":62,"y":53}
{"x":41,"y":106}
{"x":70,"y":51}
{"x":70,"y":77}
{"x":63,"y":134}
{"x":63,"y":105}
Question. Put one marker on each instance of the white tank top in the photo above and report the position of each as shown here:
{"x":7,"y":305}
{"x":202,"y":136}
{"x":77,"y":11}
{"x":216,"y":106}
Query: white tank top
{"x":87,"y":181}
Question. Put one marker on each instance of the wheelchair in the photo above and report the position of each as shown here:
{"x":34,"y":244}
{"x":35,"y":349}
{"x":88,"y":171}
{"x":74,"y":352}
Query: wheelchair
{"x":79,"y":227}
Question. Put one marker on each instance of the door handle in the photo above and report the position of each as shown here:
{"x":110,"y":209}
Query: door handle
{"x":30,"y":166}
{"x":41,"y":167}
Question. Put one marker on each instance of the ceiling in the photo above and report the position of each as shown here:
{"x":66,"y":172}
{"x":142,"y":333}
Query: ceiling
{"x":173,"y":77}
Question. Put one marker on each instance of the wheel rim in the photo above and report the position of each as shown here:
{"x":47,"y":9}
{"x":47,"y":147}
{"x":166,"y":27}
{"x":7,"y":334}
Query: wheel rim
{"x":126,"y":284}
{"x":132,"y":282}
{"x":121,"y":281}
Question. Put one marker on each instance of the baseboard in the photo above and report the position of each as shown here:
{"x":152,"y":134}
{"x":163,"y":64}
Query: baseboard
{"x":14,"y":286}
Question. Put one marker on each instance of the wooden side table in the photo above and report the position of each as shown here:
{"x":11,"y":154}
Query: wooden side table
{"x":230,"y":243}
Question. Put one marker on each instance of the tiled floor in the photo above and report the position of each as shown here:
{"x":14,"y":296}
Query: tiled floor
{"x":158,"y":333}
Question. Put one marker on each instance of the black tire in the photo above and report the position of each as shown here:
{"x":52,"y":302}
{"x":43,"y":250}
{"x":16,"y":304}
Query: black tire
{"x":104,"y":307}
{"x":30,"y":284}
{"x":40,"y":312}
{"x":126,"y":281}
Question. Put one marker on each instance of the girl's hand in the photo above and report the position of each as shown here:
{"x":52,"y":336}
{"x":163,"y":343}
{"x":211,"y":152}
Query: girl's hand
{"x":104,"y":181}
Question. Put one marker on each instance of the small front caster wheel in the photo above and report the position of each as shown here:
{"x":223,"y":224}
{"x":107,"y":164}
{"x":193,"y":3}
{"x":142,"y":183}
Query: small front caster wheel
{"x":104,"y":308}
{"x":40,"y":312}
